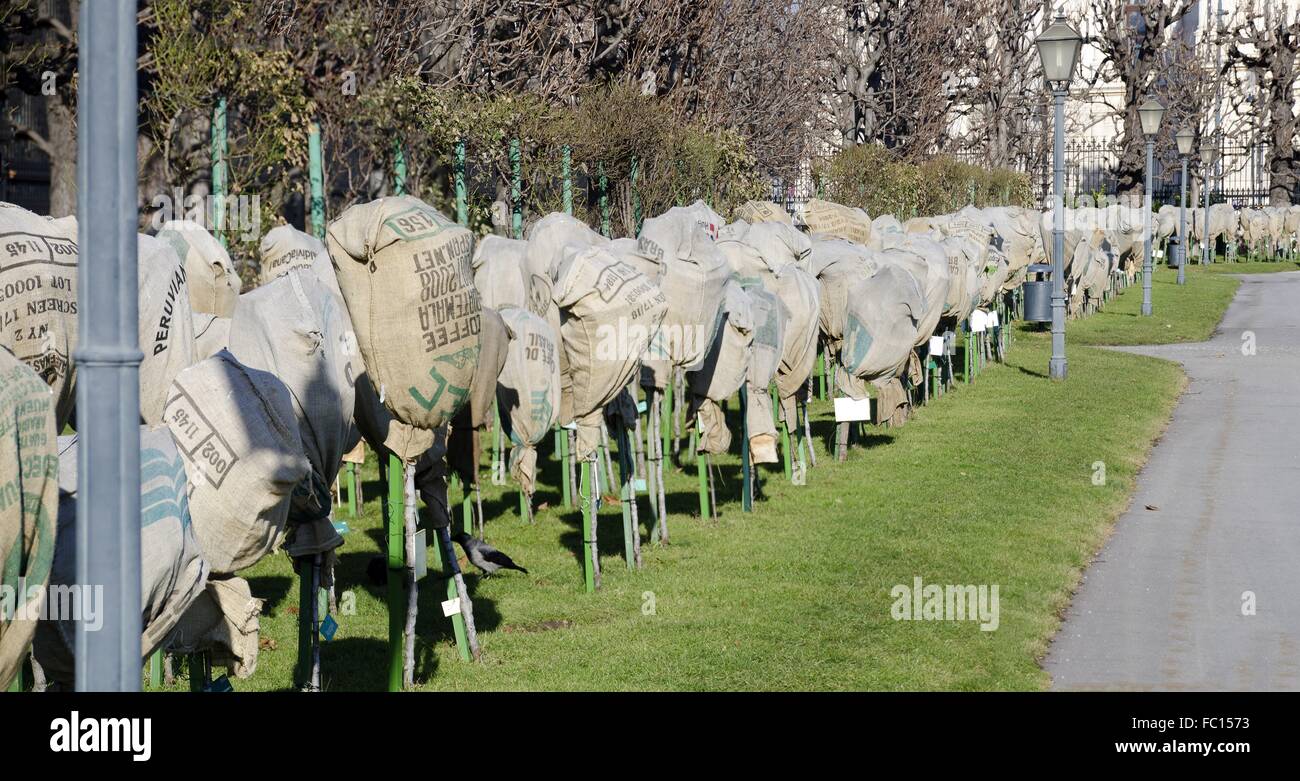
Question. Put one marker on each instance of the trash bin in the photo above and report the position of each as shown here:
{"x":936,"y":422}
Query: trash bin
{"x":1038,"y":293}
{"x":1173,"y":252}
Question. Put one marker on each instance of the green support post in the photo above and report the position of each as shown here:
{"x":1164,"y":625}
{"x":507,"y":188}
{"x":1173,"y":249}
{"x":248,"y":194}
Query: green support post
{"x":394,"y":526}
{"x":220,"y":170}
{"x":316,"y":180}
{"x":821,"y":375}
{"x":563,"y":434}
{"x":352,"y":490}
{"x":462,"y":203}
{"x":399,"y":170}
{"x":588,"y":537}
{"x":785,"y":451}
{"x":604,"y":201}
{"x":566,"y":172}
{"x":444,"y":559}
{"x":636,"y":196}
{"x":627,"y":494}
{"x":16,"y":685}
{"x":701,"y":472}
{"x":156,"y":669}
{"x":746,"y":468}
{"x":516,"y":190}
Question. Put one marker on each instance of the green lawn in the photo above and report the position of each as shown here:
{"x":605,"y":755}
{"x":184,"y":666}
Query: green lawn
{"x":1180,"y":313}
{"x":1253,"y":267}
{"x":992,"y":484}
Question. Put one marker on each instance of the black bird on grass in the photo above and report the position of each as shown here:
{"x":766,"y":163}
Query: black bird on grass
{"x":484,"y":556}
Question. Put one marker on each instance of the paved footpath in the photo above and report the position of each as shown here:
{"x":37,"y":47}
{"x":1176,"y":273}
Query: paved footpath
{"x":1162,"y":606}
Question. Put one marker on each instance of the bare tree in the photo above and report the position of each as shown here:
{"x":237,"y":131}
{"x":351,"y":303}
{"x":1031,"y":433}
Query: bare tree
{"x":1263,"y":59}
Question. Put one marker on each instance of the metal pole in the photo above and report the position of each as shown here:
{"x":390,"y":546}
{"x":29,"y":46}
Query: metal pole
{"x":399,"y":169}
{"x":462,"y":204}
{"x":1182,"y":225}
{"x":566,"y":162}
{"x":316,"y":177}
{"x":516,"y":190}
{"x":1057,"y":366}
{"x":108,"y":359}
{"x":1146,"y":233}
{"x":1205,"y":219}
{"x":219,"y":170}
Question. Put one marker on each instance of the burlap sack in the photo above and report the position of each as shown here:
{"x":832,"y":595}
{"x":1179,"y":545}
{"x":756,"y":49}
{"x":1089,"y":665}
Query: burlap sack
{"x":832,"y":219}
{"x":284,"y":247}
{"x":38,"y":298}
{"x":880,"y":323}
{"x":925,"y":259}
{"x":210,"y":273}
{"x":500,"y":272}
{"x":761,"y":211}
{"x":211,"y":335}
{"x":172,"y":566}
{"x":29,"y":503}
{"x":237,"y":433}
{"x":704,"y":216}
{"x":676,"y":252}
{"x":1254,"y":228}
{"x":528,"y":392}
{"x":780,"y":246}
{"x":838,"y":265}
{"x":770,"y":320}
{"x":609,"y":311}
{"x":166,"y":324}
{"x":222,"y":621}
{"x":297,"y":329}
{"x":892,"y":403}
{"x":384,"y":433}
{"x":404,"y":270}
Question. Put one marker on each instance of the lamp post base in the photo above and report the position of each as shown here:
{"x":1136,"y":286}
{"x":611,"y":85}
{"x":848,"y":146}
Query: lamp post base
{"x":1057,"y":368}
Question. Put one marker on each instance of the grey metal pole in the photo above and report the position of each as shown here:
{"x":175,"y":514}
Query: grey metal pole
{"x":1146,"y":233}
{"x":1182,"y":225}
{"x":108,"y":358}
{"x":1057,"y":366}
{"x":1205,"y":220}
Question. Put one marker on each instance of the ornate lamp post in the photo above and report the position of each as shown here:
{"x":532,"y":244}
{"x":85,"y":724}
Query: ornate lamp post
{"x":1058,"y":50}
{"x":1150,"y":112}
{"x":1184,"y":139}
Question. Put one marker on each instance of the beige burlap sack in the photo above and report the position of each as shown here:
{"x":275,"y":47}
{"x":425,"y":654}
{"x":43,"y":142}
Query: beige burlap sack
{"x":172,"y":568}
{"x":29,"y":503}
{"x":500,"y":272}
{"x":284,"y":247}
{"x":404,"y":270}
{"x":609,"y":312}
{"x":770,"y":320}
{"x":209,"y":271}
{"x":211,"y":335}
{"x":222,"y":621}
{"x":166,"y":325}
{"x":800,"y":298}
{"x":528,"y":392}
{"x":832,"y":219}
{"x":761,"y":211}
{"x":238,"y":435}
{"x":297,"y":328}
{"x":880,"y":323}
{"x":38,"y":298}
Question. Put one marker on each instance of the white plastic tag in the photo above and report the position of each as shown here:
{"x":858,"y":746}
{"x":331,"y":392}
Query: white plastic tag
{"x":848,"y":410}
{"x":936,"y":346}
{"x":451,"y":607}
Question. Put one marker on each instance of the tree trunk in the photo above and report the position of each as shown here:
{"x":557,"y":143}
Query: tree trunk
{"x":63,"y":158}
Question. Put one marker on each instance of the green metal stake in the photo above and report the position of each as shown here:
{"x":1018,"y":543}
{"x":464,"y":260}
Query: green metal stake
{"x":746,"y":469}
{"x":462,"y":204}
{"x":636,"y":196}
{"x":399,"y":169}
{"x":352,"y":490}
{"x":394,"y":525}
{"x":516,"y":190}
{"x":588,"y":539}
{"x":785,"y":450}
{"x":316,"y":177}
{"x":444,"y":558}
{"x":220,"y":171}
{"x":604,"y":202}
{"x":821,"y":375}
{"x":701,"y":472}
{"x":156,"y":669}
{"x":566,"y":165}
{"x":564,"y":465}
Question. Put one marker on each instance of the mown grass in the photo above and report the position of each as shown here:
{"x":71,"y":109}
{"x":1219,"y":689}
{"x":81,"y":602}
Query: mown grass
{"x":1180,"y":313}
{"x":991,"y":484}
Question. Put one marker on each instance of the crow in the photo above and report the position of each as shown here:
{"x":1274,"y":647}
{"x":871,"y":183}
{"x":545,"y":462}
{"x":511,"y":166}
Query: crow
{"x":484,"y":556}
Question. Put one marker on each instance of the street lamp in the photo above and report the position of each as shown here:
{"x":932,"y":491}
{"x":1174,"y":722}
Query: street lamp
{"x":1058,"y":49}
{"x":1184,"y":138}
{"x":1207,"y":163}
{"x":1150,"y":112}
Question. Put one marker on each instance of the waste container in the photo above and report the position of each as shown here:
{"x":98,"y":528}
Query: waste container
{"x":1174,"y":254}
{"x":1038,"y":293}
